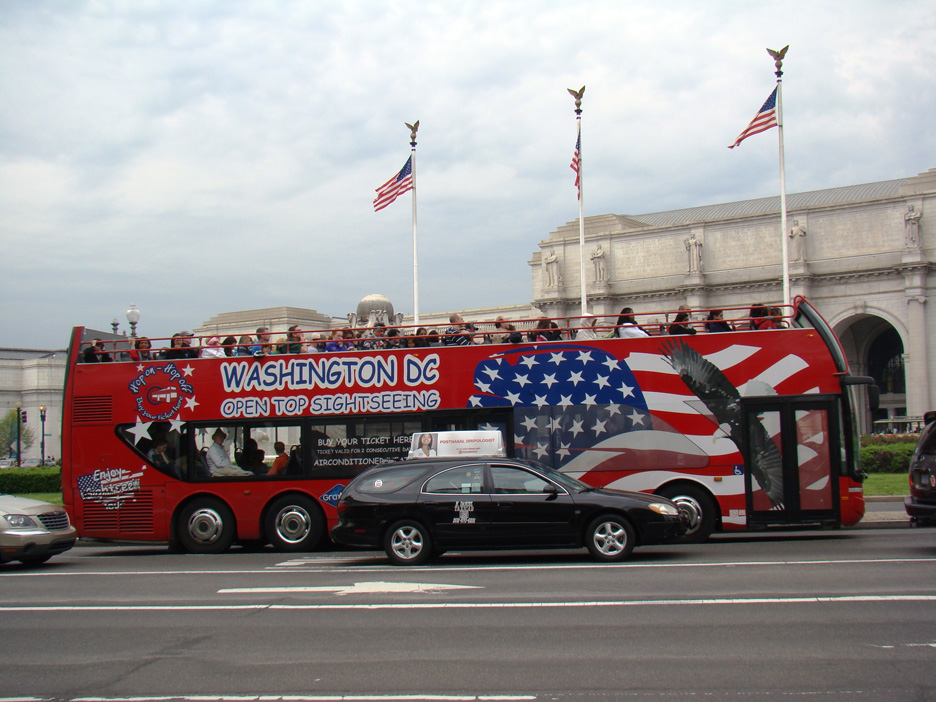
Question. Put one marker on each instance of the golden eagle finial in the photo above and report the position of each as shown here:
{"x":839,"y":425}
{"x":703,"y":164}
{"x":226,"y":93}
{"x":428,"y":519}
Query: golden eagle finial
{"x":577,"y":94}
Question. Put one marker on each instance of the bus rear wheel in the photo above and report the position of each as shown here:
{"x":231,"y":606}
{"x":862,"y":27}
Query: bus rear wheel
{"x":293,"y":523}
{"x":206,"y":525}
{"x":698,"y":506}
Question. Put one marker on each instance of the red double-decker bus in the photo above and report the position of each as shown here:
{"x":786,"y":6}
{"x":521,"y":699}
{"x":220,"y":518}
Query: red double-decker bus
{"x":743,"y":429}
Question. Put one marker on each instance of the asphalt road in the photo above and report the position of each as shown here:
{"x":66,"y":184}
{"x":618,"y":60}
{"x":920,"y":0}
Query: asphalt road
{"x":829,"y":615}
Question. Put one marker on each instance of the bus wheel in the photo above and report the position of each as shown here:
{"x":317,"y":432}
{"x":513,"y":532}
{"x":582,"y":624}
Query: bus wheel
{"x":610,"y":538}
{"x":293,"y":523}
{"x":698,"y":506}
{"x":408,"y":543}
{"x":206,"y":525}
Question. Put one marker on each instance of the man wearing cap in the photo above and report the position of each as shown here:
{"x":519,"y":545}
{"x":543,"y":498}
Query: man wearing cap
{"x":219,"y":463}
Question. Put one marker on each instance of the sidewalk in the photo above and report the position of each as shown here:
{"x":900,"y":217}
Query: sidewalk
{"x":884,"y":512}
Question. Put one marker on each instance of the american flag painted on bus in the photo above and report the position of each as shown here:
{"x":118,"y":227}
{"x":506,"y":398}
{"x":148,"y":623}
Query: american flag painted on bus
{"x":596,"y":416}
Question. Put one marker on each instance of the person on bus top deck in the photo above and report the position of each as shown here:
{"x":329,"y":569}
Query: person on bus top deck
{"x":587,"y":328}
{"x":627,"y":326}
{"x":715,"y":322}
{"x":96,"y":353}
{"x":191,"y":351}
{"x":459,"y":333}
{"x":141,"y":350}
{"x":294,"y":342}
{"x":774,"y":320}
{"x":757,"y":313}
{"x":229,"y":344}
{"x":545,"y":331}
{"x":219,"y":463}
{"x":263,"y":346}
{"x":678,"y":326}
{"x":213,"y":349}
{"x":282,"y":458}
{"x":243,"y":346}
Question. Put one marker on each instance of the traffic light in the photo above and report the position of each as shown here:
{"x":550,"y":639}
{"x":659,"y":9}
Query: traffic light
{"x":23,"y":415}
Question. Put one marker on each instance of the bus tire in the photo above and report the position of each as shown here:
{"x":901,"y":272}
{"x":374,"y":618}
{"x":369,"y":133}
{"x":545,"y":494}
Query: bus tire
{"x":698,"y":505}
{"x":610,"y":538}
{"x":206,"y":525}
{"x":293,"y":523}
{"x":408,"y":543}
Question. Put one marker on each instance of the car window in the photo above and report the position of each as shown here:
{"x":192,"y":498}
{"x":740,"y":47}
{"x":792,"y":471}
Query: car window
{"x":509,"y":480}
{"x":461,"y":480}
{"x":389,"y":480}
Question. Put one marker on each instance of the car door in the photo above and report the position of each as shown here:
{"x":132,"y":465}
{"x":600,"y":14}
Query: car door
{"x":528,"y":510}
{"x":456,"y":508}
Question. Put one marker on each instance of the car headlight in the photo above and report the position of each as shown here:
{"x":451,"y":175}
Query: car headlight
{"x":20,"y":521}
{"x":661,"y":508}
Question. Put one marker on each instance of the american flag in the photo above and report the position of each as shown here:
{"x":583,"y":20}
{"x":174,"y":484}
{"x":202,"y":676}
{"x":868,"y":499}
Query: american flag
{"x":598,"y":417}
{"x":575,"y":163}
{"x":764,"y":120}
{"x":396,"y":186}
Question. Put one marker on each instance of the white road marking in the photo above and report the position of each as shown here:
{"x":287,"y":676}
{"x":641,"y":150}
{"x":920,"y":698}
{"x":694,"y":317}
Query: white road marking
{"x":356,"y":589}
{"x":817,"y":599}
{"x":356,"y":568}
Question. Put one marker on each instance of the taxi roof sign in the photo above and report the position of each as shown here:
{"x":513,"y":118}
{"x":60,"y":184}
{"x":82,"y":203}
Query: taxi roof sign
{"x":430,"y":444}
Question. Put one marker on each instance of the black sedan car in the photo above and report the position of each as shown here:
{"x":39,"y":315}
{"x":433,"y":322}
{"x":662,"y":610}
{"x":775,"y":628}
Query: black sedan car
{"x":418,"y":509}
{"x":921,"y":502}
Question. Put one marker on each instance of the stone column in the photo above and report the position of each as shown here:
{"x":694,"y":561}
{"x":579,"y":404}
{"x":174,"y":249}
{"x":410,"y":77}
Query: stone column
{"x":917,"y":370}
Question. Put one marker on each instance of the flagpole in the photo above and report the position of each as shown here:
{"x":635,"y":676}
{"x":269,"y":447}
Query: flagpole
{"x":784,"y":244}
{"x":578,"y":119}
{"x":413,"y":127}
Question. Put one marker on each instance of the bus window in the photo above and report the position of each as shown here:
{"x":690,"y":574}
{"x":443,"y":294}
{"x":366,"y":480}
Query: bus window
{"x":346,"y":447}
{"x":161,"y":444}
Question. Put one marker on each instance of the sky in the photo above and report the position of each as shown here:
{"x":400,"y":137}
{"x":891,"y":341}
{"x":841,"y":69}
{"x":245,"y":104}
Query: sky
{"x":195,"y":158}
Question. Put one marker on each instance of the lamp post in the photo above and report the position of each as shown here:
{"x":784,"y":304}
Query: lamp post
{"x":133,"y":316}
{"x":114,"y":325}
{"x":42,"y":411}
{"x":19,"y":410}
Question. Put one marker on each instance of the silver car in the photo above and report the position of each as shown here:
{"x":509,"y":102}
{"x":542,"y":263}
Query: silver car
{"x":32,"y":531}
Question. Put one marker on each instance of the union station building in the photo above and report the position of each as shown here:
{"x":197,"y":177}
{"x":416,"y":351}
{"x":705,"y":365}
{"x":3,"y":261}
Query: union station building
{"x":864,"y":255}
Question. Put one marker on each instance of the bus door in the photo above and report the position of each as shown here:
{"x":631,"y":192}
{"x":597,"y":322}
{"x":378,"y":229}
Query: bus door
{"x":792,"y":460}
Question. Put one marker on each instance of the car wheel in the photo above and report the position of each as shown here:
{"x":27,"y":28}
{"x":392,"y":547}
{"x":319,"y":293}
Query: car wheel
{"x":206,"y":525}
{"x":610,"y":538}
{"x":293,"y":523}
{"x":698,"y":506}
{"x":408,"y":543}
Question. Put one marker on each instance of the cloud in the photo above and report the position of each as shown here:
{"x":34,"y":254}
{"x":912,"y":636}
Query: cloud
{"x":197,"y":158}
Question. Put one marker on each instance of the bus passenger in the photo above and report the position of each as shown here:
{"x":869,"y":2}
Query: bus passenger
{"x":459,"y":333}
{"x":282,"y":458}
{"x":219,"y":463}
{"x":587,"y":331}
{"x":715,"y":322}
{"x":141,"y":350}
{"x":679,"y":326}
{"x":96,"y":353}
{"x":213,"y":349}
{"x":243,"y":346}
{"x":627,"y":326}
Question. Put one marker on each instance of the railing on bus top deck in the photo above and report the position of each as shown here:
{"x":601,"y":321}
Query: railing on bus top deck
{"x":382,"y":337}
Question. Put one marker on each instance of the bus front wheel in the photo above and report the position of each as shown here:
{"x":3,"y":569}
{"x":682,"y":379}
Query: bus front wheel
{"x":293,"y":523}
{"x":206,"y":525}
{"x":699,"y":507}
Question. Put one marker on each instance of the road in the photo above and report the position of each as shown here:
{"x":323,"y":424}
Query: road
{"x":829,"y":615}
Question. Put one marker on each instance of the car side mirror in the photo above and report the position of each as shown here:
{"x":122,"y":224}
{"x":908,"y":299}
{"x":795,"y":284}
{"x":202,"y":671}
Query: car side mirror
{"x":552,"y":491}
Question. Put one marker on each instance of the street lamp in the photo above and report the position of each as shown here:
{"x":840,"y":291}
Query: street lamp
{"x":133,"y":316}
{"x":19,"y":411}
{"x":42,"y":411}
{"x":114,"y":325}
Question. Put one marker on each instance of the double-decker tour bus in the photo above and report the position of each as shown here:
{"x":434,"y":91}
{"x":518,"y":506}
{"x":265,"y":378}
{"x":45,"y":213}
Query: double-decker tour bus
{"x":743,"y":429}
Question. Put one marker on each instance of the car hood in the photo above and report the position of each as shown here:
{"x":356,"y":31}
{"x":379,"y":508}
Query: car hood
{"x":9,"y":504}
{"x":636,"y":496}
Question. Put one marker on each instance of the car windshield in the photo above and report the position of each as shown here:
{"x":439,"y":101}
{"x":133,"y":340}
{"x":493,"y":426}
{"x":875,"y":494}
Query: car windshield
{"x":568,"y":482}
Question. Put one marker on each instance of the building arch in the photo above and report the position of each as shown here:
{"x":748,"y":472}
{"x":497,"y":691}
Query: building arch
{"x":874,"y":342}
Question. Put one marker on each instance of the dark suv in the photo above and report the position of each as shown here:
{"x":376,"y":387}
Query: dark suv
{"x":921,"y":504}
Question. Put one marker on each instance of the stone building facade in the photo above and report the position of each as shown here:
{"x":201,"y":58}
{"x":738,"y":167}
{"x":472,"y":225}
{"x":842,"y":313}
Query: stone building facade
{"x":865,"y":255}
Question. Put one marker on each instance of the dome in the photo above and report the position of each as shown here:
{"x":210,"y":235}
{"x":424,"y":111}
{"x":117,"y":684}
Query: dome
{"x":375,"y":303}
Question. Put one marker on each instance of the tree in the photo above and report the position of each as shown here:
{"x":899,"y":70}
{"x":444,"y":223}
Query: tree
{"x":8,"y":435}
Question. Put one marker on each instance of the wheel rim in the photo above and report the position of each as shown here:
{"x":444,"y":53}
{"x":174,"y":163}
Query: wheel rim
{"x":610,"y":538}
{"x":293,"y":524}
{"x":205,"y":525}
{"x":692,"y":509}
{"x":407,"y":543}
